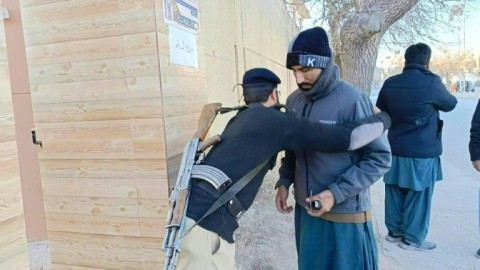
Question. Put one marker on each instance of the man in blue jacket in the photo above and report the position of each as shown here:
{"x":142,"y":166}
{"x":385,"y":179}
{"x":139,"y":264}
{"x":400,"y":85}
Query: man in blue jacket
{"x":474,"y":144}
{"x":340,"y":235}
{"x":413,"y":99}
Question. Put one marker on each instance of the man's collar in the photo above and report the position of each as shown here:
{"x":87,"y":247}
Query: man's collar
{"x":415,"y":66}
{"x":255,"y":105}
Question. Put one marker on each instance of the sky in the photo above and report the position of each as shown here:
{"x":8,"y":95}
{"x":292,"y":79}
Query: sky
{"x":470,"y":36}
{"x":472,"y":33}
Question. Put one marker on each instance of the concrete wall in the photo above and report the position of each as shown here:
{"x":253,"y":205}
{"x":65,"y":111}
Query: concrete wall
{"x":256,"y":35}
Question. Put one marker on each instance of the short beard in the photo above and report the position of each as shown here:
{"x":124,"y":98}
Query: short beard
{"x":305,"y":86}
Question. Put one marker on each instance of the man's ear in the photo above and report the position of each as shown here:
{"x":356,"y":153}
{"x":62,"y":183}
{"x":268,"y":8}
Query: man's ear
{"x":273,"y":94}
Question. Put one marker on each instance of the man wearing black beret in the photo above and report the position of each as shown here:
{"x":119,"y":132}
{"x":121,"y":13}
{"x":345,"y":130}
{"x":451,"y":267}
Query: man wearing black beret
{"x":256,"y":134}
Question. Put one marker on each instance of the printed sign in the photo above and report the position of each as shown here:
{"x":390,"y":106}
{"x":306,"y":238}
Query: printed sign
{"x":182,"y":14}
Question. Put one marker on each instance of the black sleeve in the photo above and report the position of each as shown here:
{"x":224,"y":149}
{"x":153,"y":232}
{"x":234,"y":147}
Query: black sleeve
{"x":308,"y":135}
{"x":474,"y":144}
{"x":381,"y":99}
{"x":287,"y":169}
{"x":442,"y":99}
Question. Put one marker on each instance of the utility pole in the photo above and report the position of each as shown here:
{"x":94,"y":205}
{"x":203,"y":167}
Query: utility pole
{"x":456,"y":12}
{"x":464,"y":37}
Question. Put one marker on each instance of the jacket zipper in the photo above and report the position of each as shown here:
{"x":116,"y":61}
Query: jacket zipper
{"x":357,"y":197}
{"x":304,"y":153}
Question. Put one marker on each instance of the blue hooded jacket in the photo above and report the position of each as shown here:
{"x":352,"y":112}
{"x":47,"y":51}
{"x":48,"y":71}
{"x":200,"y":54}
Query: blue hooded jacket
{"x":348,"y":175}
{"x":413,"y":100}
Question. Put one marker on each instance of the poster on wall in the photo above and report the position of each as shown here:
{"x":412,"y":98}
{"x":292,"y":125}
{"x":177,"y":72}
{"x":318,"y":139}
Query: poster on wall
{"x":183,"y":47}
{"x":182,"y":14}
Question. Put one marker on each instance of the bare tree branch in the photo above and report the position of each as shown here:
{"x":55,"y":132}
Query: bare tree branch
{"x":358,"y":26}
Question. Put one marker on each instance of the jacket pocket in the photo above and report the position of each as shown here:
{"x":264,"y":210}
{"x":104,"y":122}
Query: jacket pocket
{"x":439,"y":128}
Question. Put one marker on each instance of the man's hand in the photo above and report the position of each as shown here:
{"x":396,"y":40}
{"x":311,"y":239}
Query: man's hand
{"x":327,"y":200}
{"x":476,"y":165}
{"x":281,"y":200}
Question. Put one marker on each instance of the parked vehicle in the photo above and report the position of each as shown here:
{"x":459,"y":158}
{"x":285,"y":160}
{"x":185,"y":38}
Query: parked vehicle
{"x":465,"y":86}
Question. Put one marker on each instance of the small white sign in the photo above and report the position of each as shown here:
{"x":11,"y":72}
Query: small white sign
{"x":183,"y":47}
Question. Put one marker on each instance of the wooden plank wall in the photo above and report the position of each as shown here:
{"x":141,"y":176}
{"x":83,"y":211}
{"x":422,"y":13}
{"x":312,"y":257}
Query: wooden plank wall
{"x":114,"y":114}
{"x":98,"y":107}
{"x":184,"y":94}
{"x":13,"y":240}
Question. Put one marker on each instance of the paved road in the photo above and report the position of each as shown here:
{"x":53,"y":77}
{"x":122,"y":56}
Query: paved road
{"x":454,"y":223}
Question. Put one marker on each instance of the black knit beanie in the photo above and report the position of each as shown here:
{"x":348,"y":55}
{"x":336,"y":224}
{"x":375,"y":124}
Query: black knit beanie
{"x":310,"y":48}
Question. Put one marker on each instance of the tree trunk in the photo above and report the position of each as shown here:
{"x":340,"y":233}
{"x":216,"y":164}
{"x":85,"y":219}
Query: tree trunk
{"x":358,"y":63}
{"x":360,"y":38}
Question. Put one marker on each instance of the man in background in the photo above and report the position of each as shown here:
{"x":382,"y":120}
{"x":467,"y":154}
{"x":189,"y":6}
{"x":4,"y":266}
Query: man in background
{"x":413,"y":99}
{"x":474,"y":144}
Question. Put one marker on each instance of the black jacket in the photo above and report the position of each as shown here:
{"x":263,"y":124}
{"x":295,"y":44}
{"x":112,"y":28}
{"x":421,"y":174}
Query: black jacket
{"x":474,"y":144}
{"x":413,"y":100}
{"x":256,"y":134}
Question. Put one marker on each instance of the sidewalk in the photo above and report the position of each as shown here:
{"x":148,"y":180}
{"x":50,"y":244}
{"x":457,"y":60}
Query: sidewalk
{"x":453,"y":226}
{"x":468,"y":95}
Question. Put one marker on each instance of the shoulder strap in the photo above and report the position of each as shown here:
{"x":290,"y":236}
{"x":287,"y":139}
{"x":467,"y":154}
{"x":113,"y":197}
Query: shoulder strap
{"x":232,"y":191}
{"x":223,"y":110}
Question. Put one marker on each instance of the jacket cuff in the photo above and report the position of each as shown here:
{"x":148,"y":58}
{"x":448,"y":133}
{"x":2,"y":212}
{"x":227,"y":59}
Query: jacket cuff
{"x":474,"y":154}
{"x":283,"y":182}
{"x":337,"y":194}
{"x":385,"y":118}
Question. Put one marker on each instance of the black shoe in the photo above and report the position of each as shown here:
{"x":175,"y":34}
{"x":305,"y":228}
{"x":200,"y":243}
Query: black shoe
{"x":393,"y":238}
{"x":425,"y":246}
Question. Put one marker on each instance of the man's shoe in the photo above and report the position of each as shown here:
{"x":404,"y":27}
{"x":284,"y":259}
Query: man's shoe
{"x":425,"y":246}
{"x":478,"y":253}
{"x":393,"y":238}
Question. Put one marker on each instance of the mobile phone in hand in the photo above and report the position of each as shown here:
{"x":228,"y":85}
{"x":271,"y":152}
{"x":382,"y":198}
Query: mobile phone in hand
{"x":316,"y":205}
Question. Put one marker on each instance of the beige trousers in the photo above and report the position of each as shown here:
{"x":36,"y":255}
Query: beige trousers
{"x":205,"y":250}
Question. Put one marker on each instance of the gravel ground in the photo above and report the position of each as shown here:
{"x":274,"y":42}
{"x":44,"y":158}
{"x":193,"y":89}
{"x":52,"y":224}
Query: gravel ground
{"x":265,"y":239}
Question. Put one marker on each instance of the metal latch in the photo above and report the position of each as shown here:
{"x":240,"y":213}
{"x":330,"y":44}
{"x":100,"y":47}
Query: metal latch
{"x":34,"y":138}
{"x":5,"y":13}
